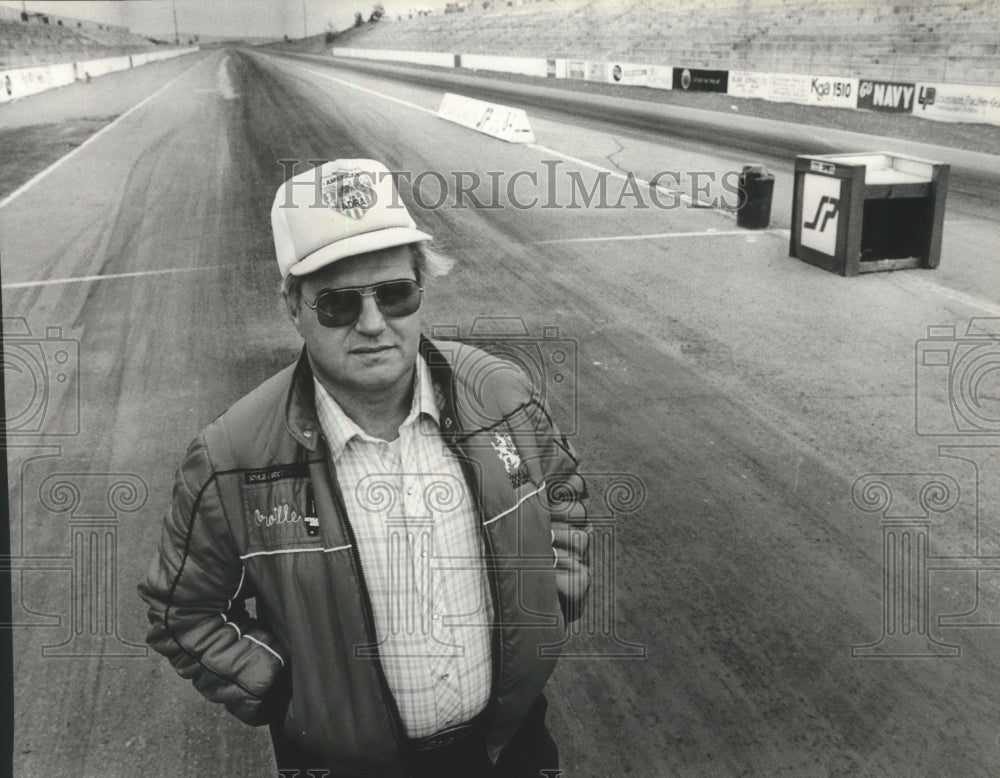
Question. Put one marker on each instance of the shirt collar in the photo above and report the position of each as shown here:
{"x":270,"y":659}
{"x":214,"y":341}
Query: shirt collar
{"x":340,"y":429}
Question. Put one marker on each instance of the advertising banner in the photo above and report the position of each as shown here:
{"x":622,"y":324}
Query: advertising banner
{"x":958,"y":103}
{"x":744,"y":83}
{"x":576,"y":69}
{"x":788,"y":88}
{"x":597,"y":71}
{"x":833,"y":91}
{"x":694,"y":80}
{"x":631,"y":74}
{"x":889,"y":96}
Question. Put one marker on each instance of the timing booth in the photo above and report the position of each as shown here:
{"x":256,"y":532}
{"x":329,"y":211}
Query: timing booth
{"x":858,"y":213}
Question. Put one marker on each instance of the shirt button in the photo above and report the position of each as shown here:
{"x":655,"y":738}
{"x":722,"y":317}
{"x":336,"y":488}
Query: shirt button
{"x":445,"y":677}
{"x":409,"y":490}
{"x":436,"y":616}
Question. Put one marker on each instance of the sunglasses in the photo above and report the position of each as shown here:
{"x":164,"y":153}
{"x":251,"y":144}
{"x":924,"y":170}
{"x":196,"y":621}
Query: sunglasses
{"x":342,"y":307}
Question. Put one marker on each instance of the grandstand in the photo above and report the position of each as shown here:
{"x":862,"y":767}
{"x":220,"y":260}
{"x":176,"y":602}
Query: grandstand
{"x":42,"y":39}
{"x":940,"y":40}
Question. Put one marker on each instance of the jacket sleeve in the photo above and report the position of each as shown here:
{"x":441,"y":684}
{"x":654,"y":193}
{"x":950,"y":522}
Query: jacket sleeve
{"x":566,"y":493}
{"x":196,"y":591}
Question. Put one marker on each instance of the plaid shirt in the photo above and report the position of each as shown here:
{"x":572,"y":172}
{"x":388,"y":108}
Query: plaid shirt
{"x":421,"y":555}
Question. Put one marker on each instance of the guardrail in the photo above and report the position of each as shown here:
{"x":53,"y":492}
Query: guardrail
{"x":927,"y":99}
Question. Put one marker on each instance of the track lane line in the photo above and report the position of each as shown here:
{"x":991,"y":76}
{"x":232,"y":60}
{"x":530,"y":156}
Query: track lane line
{"x":684,"y":198}
{"x":915,"y":283}
{"x":657,"y":236}
{"x":384,"y":96}
{"x":58,"y":163}
{"x":108,"y":277}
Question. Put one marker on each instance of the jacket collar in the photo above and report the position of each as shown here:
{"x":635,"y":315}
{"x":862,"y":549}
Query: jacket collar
{"x":300,"y":406}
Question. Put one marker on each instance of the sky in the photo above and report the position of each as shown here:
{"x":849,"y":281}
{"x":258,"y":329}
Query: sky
{"x":236,"y":18}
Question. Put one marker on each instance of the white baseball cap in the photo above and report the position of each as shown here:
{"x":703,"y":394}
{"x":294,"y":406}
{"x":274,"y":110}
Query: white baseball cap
{"x":343,"y":208}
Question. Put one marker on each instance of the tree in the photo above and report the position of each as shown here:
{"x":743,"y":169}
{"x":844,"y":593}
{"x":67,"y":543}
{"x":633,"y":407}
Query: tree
{"x":377,"y":13}
{"x":358,"y":19}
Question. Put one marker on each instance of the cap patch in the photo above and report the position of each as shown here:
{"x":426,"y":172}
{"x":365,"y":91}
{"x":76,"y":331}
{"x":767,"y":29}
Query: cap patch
{"x":351,"y":194}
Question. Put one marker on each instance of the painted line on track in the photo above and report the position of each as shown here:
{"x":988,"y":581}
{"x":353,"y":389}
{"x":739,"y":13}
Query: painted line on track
{"x":684,"y":198}
{"x":59,"y":162}
{"x":384,"y":96}
{"x":916,"y":283}
{"x":658,"y":236}
{"x":108,"y":277}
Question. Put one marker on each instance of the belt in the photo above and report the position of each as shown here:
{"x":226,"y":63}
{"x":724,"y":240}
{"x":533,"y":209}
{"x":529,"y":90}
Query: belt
{"x":446,"y":737}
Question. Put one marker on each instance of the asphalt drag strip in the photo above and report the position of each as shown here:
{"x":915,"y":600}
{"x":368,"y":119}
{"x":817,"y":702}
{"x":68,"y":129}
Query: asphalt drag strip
{"x":730,"y":405}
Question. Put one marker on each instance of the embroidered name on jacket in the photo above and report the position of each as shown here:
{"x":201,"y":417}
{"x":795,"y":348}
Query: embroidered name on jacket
{"x":517,"y":471}
{"x":280,"y":511}
{"x":280,"y":514}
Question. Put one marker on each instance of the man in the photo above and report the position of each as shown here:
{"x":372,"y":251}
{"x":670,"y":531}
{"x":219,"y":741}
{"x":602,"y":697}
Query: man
{"x":402,"y":511}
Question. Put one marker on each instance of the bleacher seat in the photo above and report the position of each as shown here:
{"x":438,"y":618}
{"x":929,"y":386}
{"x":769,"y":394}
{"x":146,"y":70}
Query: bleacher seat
{"x":941,"y":39}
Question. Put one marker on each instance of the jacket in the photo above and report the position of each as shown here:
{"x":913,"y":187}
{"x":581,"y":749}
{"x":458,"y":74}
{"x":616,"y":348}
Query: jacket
{"x":307,"y":661}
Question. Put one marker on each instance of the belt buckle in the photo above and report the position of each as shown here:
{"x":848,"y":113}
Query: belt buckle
{"x":444,"y":738}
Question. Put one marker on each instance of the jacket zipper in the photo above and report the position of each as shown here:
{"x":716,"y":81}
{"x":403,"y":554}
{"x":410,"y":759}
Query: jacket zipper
{"x":399,"y":731}
{"x":491,"y":578}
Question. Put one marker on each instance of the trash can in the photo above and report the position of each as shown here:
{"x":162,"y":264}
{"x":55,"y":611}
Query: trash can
{"x":858,"y":213}
{"x":756,"y":187}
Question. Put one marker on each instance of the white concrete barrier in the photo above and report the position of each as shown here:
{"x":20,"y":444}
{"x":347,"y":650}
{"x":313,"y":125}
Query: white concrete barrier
{"x":21,"y":82}
{"x":498,"y":121}
{"x":100,"y":67}
{"x":525,"y":66}
{"x":435,"y":58}
{"x":156,"y":56}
